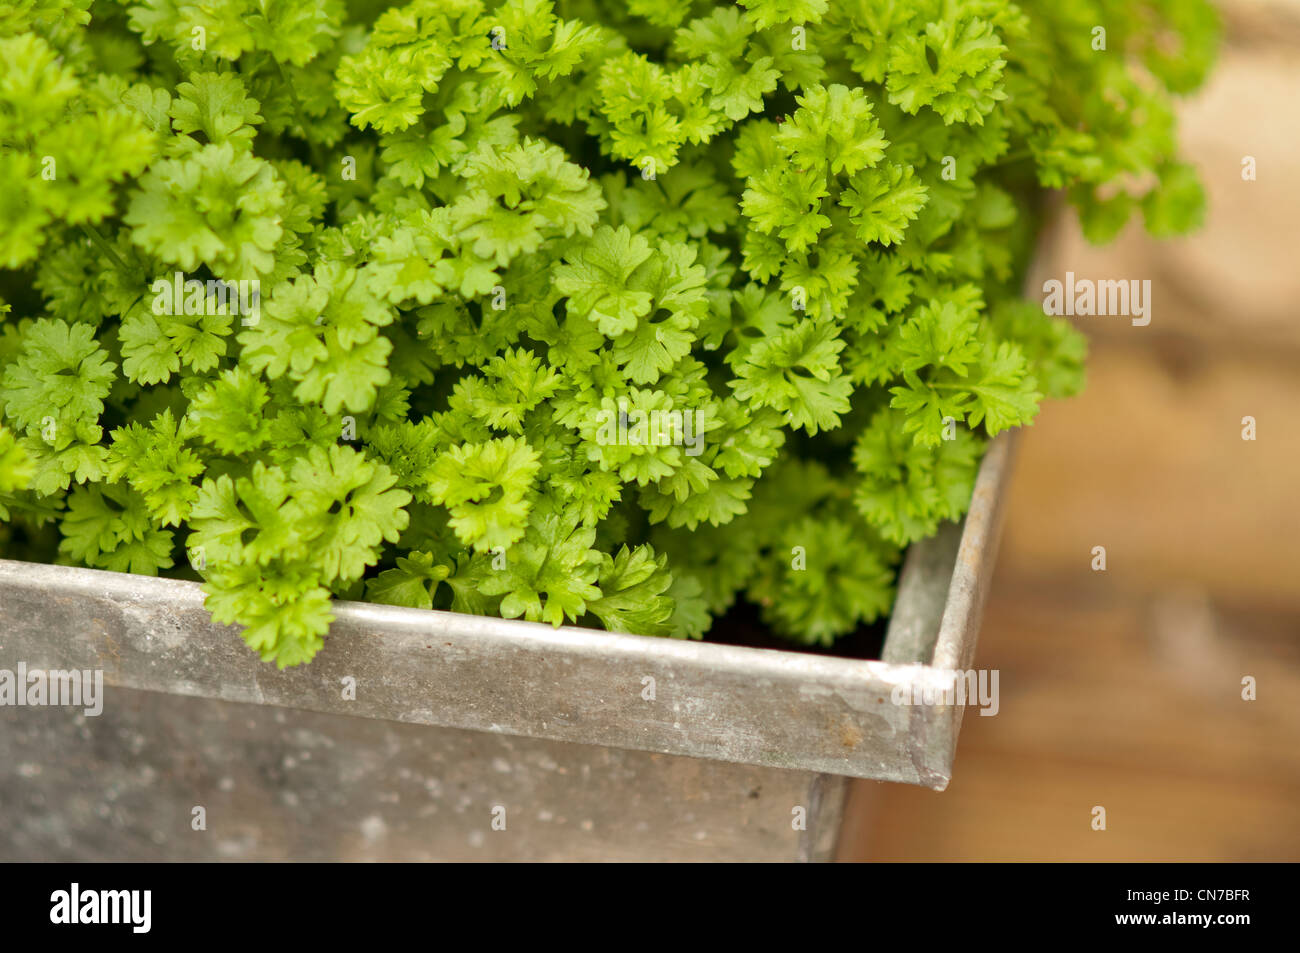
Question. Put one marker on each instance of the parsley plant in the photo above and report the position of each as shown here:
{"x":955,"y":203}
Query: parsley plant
{"x":595,"y":311}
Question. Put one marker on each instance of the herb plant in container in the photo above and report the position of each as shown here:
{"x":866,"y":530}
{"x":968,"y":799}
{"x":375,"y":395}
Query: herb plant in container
{"x":591,"y":312}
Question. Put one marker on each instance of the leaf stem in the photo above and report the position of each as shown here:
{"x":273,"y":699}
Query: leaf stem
{"x":298,"y":111}
{"x":1014,"y":157}
{"x":102,"y":244}
{"x":99,"y":242}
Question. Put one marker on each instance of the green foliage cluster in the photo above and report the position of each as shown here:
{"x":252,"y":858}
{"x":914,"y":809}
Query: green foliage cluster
{"x":484,"y":230}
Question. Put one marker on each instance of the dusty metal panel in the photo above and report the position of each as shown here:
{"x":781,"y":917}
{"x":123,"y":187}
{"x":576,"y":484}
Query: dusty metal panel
{"x":279,"y":784}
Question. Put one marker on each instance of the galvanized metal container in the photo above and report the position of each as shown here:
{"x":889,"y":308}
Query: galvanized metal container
{"x":466,"y":737}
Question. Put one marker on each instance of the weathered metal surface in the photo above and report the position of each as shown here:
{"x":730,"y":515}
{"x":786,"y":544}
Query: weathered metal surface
{"x":436,"y":668}
{"x":940,"y":624}
{"x":493,"y":710}
{"x":279,"y":784}
{"x":922,"y":595}
{"x":972,"y":575}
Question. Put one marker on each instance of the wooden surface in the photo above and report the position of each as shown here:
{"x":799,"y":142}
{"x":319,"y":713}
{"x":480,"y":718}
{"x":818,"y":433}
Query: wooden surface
{"x":1131,"y":704}
{"x":1123,"y":688}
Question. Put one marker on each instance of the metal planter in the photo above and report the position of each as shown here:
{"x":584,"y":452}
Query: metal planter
{"x":468,"y":737}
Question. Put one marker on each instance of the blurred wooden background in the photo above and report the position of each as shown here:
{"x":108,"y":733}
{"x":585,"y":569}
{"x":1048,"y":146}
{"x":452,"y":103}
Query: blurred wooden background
{"x":1123,"y":688}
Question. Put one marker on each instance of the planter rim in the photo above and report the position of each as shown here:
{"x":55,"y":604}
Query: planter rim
{"x":769,"y":707}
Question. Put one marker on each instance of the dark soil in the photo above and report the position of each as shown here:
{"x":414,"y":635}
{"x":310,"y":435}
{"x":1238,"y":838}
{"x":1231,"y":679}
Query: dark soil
{"x":742,"y":625}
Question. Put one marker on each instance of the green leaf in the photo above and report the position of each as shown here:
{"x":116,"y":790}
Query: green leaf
{"x":882,"y":201}
{"x":797,"y":372}
{"x":485,"y":487}
{"x":833,"y":128}
{"x":633,"y":584}
{"x":216,"y":106}
{"x":59,"y":380}
{"x":219,"y":206}
{"x":412,"y":583}
{"x":550,"y":574}
{"x":594,"y":278}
